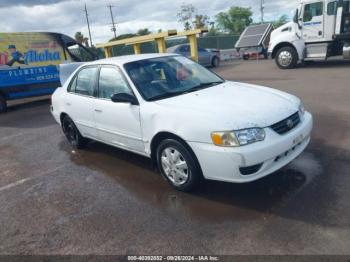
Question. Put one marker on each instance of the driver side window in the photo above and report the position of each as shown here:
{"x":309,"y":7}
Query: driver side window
{"x":111,"y":82}
{"x":312,"y":10}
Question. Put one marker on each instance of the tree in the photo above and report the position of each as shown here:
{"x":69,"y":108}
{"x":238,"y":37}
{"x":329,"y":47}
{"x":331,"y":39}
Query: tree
{"x":186,"y":15}
{"x":143,"y":31}
{"x":81,"y":39}
{"x":281,"y":21}
{"x":235,"y":20}
{"x":200,"y":21}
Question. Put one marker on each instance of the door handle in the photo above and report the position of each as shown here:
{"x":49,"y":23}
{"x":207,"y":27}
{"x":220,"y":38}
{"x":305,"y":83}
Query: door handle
{"x":68,"y":104}
{"x":98,"y":110}
{"x":319,"y":33}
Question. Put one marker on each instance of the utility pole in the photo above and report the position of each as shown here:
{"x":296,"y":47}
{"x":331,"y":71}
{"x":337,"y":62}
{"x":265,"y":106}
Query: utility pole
{"x":262,"y":7}
{"x":88,"y":24}
{"x":114,"y":29}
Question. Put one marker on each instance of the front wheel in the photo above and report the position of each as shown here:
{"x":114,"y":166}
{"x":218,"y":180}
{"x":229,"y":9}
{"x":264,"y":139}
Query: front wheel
{"x":72,"y":133}
{"x":3,"y":104}
{"x":286,"y":58}
{"x":178,"y":165}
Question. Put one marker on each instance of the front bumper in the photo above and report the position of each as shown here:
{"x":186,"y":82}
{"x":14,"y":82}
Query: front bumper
{"x":276,"y":151}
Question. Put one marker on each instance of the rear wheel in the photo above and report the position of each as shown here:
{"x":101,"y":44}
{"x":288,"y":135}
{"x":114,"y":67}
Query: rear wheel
{"x":72,"y":133}
{"x":215,"y":62}
{"x":178,"y":165}
{"x":286,"y":58}
{"x":3,"y":104}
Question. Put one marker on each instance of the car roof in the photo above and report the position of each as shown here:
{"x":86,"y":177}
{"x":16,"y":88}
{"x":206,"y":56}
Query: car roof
{"x":120,"y":60}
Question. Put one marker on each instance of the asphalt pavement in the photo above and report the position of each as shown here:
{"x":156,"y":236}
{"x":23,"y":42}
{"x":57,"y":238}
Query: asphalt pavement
{"x":102,"y":200}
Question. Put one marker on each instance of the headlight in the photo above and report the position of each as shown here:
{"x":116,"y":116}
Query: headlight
{"x":301,"y":108}
{"x":238,"y":138}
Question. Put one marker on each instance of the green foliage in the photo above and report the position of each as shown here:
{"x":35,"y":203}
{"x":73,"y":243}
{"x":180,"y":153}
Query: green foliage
{"x":81,"y":39}
{"x":143,"y":31}
{"x":200,"y":21}
{"x":283,"y":19}
{"x":235,"y":20}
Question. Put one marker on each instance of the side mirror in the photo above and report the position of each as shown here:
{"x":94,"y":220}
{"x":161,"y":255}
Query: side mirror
{"x":296,"y":16}
{"x":124,"y":98}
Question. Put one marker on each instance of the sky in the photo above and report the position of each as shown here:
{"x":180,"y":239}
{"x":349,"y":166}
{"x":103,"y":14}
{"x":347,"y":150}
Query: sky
{"x":68,"y":17}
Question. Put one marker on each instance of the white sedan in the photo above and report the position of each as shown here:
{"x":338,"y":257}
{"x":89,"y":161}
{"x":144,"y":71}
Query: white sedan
{"x":192,"y":123}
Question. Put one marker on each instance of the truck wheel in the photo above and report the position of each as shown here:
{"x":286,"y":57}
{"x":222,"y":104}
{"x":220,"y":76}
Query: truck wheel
{"x":3,"y":104}
{"x":178,"y":165}
{"x":286,"y":58}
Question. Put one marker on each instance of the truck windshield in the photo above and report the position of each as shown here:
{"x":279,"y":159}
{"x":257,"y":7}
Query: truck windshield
{"x":165,"y":77}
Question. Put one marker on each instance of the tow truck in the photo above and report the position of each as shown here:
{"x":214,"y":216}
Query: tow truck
{"x":319,"y":30}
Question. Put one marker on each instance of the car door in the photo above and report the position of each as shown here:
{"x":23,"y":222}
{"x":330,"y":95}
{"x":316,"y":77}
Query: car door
{"x":313,"y":22}
{"x":79,"y":100}
{"x":185,"y":50}
{"x":117,"y":123}
{"x":204,"y":56}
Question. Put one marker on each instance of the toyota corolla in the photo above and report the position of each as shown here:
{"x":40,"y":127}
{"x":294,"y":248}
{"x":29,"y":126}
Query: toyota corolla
{"x":193,"y":124}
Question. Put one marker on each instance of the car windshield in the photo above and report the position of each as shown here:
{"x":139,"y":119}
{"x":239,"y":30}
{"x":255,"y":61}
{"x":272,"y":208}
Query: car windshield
{"x":164,"y":77}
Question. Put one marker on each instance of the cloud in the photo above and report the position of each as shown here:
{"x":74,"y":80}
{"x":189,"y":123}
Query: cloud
{"x":67,"y":16}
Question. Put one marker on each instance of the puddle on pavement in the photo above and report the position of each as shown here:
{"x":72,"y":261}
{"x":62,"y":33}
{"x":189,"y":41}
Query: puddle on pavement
{"x":214,"y":201}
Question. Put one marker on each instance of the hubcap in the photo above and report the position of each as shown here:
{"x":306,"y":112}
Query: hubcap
{"x":174,"y":166}
{"x":285,"y":58}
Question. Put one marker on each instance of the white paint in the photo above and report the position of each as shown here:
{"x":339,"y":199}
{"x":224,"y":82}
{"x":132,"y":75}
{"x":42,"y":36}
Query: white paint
{"x":193,"y":117}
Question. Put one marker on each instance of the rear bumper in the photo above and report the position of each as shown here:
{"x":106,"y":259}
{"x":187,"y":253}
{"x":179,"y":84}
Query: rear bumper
{"x":273,"y":153}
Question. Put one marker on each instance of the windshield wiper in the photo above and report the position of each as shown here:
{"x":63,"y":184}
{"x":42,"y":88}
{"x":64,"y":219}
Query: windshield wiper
{"x":204,"y":85}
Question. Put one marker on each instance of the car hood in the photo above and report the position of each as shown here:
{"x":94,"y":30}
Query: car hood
{"x":234,"y":105}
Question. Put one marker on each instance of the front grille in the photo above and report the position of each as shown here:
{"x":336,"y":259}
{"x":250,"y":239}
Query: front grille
{"x":287,"y":124}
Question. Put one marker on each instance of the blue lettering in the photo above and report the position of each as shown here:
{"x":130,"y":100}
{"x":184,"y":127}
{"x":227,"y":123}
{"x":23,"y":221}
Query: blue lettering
{"x":33,"y":56}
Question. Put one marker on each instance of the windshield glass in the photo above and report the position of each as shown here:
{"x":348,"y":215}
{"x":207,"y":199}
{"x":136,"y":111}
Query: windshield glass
{"x":165,"y":77}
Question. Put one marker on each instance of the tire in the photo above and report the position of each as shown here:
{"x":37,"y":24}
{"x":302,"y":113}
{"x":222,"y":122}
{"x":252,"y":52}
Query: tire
{"x":178,"y":165}
{"x":72,"y":133}
{"x":3,"y":104}
{"x":215,"y":62}
{"x":286,"y":58}
{"x":245,"y":57}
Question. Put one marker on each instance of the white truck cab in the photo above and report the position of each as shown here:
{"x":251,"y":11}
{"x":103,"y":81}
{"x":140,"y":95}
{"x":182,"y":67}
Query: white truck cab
{"x":320,"y":29}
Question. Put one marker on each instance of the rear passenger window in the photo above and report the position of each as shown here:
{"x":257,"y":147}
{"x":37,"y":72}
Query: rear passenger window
{"x":84,"y":82}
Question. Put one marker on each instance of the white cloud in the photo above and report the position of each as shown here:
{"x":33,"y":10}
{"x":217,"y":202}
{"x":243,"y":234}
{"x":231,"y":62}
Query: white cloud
{"x":67,"y":16}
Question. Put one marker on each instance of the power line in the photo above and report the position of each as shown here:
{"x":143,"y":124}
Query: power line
{"x":114,"y":29}
{"x":88,"y":24}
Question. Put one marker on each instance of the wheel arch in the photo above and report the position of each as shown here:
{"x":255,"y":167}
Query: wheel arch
{"x":62,"y":115}
{"x":159,"y":137}
{"x":281,"y":45}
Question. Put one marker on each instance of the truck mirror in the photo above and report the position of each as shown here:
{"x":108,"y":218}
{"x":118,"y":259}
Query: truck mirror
{"x":296,"y":16}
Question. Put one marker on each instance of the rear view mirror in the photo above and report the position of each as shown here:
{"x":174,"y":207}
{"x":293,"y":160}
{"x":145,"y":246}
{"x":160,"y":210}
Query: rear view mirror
{"x":124,"y":98}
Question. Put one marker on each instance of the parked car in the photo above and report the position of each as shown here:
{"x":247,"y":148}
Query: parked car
{"x":206,"y":57}
{"x":192,"y":123}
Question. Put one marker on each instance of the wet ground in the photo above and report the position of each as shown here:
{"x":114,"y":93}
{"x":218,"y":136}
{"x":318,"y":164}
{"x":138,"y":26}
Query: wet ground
{"x":106,"y":201}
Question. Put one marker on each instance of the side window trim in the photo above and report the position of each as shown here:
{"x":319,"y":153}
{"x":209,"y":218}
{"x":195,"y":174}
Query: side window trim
{"x":76,"y":76}
{"x":122,"y":75}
